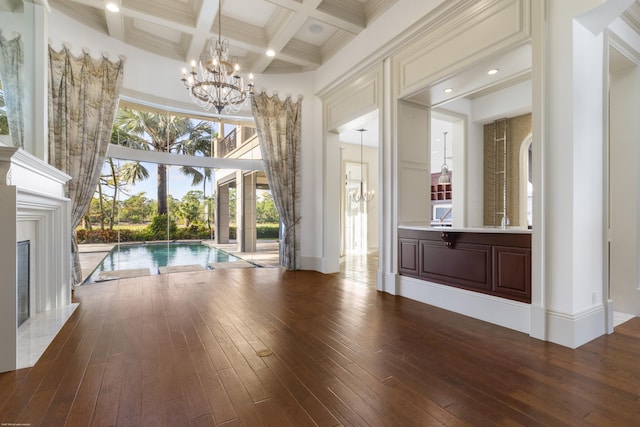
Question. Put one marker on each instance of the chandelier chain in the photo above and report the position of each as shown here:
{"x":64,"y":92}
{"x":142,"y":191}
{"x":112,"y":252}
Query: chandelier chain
{"x":214,"y":81}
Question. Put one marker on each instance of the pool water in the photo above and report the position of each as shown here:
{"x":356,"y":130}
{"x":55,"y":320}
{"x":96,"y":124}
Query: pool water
{"x":156,"y":255}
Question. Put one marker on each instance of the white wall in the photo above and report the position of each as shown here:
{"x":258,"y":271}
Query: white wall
{"x":11,"y":23}
{"x":623,"y":204}
{"x":414,"y":164}
{"x":624,"y":161}
{"x":509,"y":102}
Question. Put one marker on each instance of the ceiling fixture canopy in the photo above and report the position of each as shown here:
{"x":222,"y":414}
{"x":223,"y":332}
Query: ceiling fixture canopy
{"x":215,"y":81}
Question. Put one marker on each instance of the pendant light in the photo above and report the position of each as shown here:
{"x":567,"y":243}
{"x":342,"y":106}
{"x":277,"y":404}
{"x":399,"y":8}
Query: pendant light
{"x":444,"y":178}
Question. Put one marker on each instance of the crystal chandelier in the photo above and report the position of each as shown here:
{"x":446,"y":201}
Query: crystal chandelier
{"x":361,"y":195}
{"x":215,"y":81}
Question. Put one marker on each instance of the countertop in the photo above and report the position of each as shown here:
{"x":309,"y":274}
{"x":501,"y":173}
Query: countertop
{"x":487,"y":229}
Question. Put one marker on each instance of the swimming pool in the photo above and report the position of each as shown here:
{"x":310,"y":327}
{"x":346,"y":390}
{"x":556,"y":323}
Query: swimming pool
{"x":154,"y":256}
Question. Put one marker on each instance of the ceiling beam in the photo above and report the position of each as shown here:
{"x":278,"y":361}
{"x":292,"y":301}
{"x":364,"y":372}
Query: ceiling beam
{"x":347,"y":15}
{"x":206,"y":17}
{"x":115,"y":25}
{"x":280,"y":36}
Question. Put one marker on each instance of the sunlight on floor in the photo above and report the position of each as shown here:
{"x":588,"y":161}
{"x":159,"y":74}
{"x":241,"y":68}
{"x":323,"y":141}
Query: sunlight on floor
{"x":361,"y":268}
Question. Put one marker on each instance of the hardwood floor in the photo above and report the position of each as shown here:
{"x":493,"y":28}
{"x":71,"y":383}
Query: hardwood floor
{"x":182,"y":350}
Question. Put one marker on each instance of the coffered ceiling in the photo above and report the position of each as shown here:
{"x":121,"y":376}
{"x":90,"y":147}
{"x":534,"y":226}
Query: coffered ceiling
{"x":302,"y":33}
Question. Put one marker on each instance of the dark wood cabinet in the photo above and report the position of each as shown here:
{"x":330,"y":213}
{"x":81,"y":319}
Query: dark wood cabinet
{"x":497,"y":264}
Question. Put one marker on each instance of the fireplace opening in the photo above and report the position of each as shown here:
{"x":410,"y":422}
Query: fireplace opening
{"x":23,"y":280}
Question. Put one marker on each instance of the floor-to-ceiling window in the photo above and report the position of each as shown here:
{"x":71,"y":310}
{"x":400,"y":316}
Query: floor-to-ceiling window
{"x":154,"y":186}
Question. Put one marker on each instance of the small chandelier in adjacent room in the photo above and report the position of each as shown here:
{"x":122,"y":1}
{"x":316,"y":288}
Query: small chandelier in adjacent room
{"x":445,"y":177}
{"x":360,"y":195}
{"x":215,"y":81}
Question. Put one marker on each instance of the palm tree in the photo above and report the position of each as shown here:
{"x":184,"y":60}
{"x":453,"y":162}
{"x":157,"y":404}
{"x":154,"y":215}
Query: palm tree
{"x":165,"y":133}
{"x":4,"y":124}
{"x":132,"y":172}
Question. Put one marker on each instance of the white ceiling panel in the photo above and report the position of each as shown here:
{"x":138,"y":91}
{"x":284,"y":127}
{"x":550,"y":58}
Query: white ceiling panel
{"x":302,"y":33}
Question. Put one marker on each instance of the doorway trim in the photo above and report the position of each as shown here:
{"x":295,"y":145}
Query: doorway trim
{"x":346,"y":103}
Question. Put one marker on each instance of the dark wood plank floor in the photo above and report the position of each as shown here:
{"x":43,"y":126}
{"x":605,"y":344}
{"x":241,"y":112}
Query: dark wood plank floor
{"x":267,"y":347}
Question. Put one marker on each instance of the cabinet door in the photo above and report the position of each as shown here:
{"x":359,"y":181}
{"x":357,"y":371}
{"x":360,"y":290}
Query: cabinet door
{"x":464,"y":265}
{"x":408,"y":256}
{"x":512,"y":272}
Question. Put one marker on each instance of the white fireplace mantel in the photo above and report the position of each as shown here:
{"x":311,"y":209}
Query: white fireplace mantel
{"x":33,"y":207}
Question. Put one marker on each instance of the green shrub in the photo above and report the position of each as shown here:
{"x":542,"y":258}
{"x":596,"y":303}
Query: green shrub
{"x":194,"y":231}
{"x":157,"y":230}
{"x":158,"y":227}
{"x":268,"y":231}
{"x":111,"y":236}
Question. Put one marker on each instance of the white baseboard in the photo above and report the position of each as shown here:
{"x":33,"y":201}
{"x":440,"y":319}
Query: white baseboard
{"x":312,"y":263}
{"x":574,"y":330}
{"x":538,"y":322}
{"x":499,"y":311}
{"x":387,"y":282}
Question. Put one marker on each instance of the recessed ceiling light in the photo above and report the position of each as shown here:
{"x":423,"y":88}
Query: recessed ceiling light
{"x":448,"y":90}
{"x":271,"y":53}
{"x":112,"y":7}
{"x":493,"y":71}
{"x":316,"y":28}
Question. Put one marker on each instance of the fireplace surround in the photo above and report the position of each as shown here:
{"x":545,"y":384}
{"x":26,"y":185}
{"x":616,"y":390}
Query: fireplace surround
{"x":33,"y":207}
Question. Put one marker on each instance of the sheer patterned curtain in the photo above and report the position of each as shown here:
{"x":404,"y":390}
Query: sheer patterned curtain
{"x":11,"y":73}
{"x":83,"y":98}
{"x":278,"y":124}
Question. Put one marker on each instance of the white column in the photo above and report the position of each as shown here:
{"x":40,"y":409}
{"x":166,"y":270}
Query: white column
{"x":573,"y":174}
{"x":36,"y":54}
{"x":222,"y":214}
{"x":331,"y":209}
{"x":387,"y":217}
{"x":246,"y":211}
{"x":538,"y":315}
